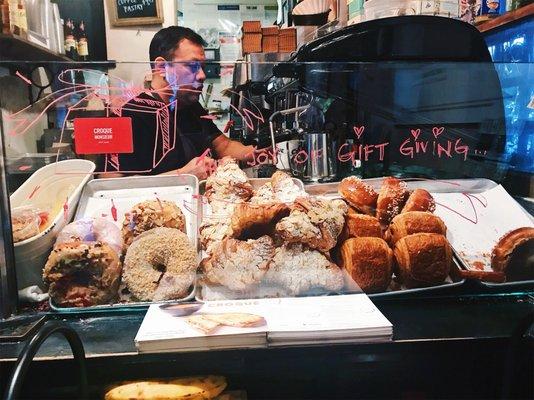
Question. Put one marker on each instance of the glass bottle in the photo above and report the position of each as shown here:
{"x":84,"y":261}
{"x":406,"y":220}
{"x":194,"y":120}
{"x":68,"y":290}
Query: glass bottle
{"x":83,"y":45}
{"x":70,"y":40}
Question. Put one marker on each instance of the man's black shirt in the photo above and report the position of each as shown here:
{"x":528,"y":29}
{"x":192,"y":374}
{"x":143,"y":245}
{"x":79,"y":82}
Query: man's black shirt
{"x":164,"y":138}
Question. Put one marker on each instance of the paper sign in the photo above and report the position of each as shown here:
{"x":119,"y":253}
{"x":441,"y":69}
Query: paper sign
{"x":103,"y":135}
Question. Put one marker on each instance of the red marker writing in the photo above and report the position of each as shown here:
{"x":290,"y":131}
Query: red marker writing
{"x":113,"y":211}
{"x":34,"y":191}
{"x":66,"y":209}
{"x":159,"y":201}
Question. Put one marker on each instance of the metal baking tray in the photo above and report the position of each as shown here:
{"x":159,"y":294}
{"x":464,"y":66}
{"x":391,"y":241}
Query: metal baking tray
{"x":435,"y":186}
{"x":99,"y":195}
{"x":472,"y":185}
{"x":330,"y":190}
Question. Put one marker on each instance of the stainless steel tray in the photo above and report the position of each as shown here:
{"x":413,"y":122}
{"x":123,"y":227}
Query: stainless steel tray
{"x":222,"y":293}
{"x":472,"y":186}
{"x":120,"y":306}
{"x":99,"y":195}
{"x":436,"y":186}
{"x":451,"y":282}
{"x":330,"y":190}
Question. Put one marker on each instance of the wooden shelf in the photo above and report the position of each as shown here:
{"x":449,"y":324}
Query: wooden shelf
{"x":507,"y":18}
{"x":16,"y":48}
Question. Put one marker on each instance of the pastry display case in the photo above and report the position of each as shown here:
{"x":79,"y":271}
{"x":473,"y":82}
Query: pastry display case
{"x":419,"y":165}
{"x":395,"y":179}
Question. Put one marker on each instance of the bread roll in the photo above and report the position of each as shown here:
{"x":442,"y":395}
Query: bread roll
{"x":419,"y":200}
{"x":423,"y":259}
{"x":390,"y":200}
{"x":360,"y":225}
{"x":369,"y":261}
{"x":358,"y":194}
{"x":414,"y":222}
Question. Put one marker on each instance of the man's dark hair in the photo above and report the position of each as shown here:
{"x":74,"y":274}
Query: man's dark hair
{"x":166,"y":40}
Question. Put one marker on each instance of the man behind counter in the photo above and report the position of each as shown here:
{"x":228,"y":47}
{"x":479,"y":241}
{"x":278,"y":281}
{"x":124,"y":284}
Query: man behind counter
{"x":169,"y":131}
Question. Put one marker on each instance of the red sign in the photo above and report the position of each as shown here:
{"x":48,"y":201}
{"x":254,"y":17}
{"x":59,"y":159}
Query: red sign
{"x":103,"y":135}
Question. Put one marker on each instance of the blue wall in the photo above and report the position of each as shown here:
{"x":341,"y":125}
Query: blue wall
{"x":512,"y":49}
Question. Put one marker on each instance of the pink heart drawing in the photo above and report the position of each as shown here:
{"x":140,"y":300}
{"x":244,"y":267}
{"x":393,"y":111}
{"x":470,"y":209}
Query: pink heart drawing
{"x":437,"y":131}
{"x":358,"y":130}
{"x":415,"y":133}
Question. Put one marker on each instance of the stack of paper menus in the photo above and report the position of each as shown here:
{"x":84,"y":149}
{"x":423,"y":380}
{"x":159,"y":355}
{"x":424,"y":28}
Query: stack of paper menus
{"x":262,"y":323}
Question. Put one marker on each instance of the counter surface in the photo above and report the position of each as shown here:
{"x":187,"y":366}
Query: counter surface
{"x":458,"y":316}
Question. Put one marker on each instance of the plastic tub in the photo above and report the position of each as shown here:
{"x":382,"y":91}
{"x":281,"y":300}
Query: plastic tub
{"x":55,"y":188}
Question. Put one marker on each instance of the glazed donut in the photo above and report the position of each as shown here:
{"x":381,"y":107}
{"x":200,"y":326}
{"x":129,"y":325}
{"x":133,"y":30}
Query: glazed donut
{"x":81,"y":274}
{"x":92,"y":230}
{"x":151,"y":214}
{"x":160,"y":264}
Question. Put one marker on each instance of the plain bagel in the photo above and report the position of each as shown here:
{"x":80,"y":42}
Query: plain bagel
{"x":160,"y":264}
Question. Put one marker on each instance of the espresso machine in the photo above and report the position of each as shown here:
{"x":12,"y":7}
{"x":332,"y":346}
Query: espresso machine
{"x":389,"y":76}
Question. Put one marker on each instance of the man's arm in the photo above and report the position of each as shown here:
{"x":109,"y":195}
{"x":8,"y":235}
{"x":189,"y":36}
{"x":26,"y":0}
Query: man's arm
{"x":226,"y":147}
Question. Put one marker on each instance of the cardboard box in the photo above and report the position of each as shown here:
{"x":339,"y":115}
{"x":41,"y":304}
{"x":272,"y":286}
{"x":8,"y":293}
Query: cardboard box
{"x":269,"y":44}
{"x":251,"y":27}
{"x":251,"y":43}
{"x":270,"y":30}
{"x":287,"y":40}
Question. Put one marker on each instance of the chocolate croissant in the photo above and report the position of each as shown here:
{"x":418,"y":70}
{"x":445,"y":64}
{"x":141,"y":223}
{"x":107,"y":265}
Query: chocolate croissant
{"x":423,"y":259}
{"x":414,"y":222}
{"x":360,"y":225}
{"x":369,"y":261}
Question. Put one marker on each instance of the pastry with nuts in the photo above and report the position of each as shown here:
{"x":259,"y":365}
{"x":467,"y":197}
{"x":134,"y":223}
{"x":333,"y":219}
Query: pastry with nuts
{"x":151,"y":214}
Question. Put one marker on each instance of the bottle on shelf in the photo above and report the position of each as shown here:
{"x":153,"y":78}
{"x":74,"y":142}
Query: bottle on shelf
{"x":70,"y":40}
{"x":83,"y":45}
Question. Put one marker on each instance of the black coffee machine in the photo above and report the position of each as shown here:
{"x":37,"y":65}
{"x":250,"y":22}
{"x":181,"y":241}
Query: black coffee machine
{"x":416,"y":78}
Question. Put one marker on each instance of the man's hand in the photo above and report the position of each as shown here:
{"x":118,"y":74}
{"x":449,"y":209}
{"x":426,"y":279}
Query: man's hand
{"x":202,"y":167}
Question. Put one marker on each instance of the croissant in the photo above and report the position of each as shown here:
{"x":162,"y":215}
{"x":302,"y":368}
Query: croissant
{"x":299,"y":270}
{"x":414,"y":222}
{"x":284,"y":187}
{"x":419,"y":200}
{"x":238,"y":265}
{"x":228,"y":182}
{"x":358,"y":194}
{"x":315,"y":222}
{"x":254,"y":220}
{"x":423,"y":259}
{"x":369,"y":261}
{"x":360,"y":225}
{"x":390,"y":200}
{"x":516,"y":243}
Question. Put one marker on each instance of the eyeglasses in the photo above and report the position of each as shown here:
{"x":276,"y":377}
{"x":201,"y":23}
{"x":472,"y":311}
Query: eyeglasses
{"x":194,"y":66}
